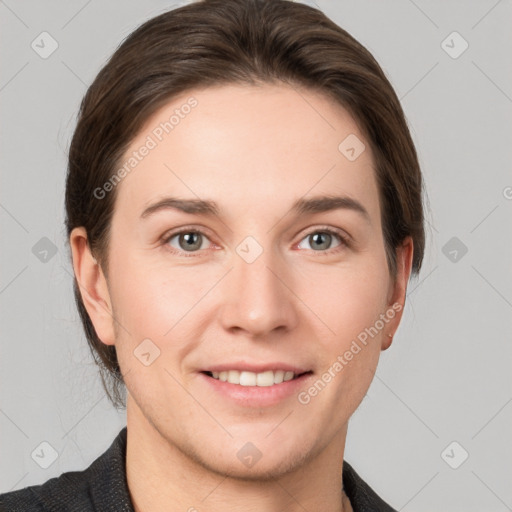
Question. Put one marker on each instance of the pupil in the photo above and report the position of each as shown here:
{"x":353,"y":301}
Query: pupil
{"x":322,"y":239}
{"x":191,"y":241}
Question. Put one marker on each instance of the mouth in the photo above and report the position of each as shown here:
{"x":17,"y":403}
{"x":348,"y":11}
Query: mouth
{"x":267,"y":378}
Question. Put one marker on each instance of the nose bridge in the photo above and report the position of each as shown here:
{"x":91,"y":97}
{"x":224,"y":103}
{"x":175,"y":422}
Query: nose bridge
{"x":256,"y":300}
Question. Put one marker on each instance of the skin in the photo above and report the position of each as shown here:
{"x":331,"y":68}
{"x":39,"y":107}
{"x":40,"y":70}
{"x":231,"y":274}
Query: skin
{"x":254,"y":150}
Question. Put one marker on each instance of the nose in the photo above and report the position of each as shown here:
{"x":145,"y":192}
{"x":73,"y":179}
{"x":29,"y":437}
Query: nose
{"x":258,"y":297}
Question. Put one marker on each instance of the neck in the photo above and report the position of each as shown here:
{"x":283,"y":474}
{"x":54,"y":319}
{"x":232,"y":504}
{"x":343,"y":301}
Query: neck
{"x":162,"y":476}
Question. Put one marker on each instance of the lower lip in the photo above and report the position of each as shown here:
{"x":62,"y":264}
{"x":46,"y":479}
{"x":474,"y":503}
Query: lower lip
{"x":258,"y":396}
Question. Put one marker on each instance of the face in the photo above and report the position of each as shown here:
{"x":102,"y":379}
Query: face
{"x":273,"y":260}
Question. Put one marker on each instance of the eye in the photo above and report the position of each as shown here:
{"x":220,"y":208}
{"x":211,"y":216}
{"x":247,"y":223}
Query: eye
{"x":322,"y":239}
{"x":192,"y":241}
{"x":187,"y":241}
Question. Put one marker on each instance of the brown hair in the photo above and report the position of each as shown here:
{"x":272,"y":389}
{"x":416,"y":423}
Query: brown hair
{"x":216,"y":42}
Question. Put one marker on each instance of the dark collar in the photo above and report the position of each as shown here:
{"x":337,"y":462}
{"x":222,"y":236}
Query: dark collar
{"x":362,"y":497}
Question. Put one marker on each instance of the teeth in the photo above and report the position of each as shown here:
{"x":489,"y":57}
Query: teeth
{"x":268,"y":378}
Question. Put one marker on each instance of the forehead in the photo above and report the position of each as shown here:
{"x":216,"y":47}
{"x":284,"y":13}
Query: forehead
{"x":248,"y":147}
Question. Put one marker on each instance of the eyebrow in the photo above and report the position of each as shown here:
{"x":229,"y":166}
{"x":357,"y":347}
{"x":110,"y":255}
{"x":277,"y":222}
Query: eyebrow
{"x":300,"y":207}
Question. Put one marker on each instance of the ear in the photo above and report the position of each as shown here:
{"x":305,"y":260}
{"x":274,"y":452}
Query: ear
{"x":93,"y":286}
{"x":397,"y":291}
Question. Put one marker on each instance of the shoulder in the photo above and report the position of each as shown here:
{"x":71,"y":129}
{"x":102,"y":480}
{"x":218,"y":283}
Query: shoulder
{"x":68,"y":491}
{"x":102,"y":486}
{"x":22,"y":500}
{"x":362,"y":497}
{"x":65,"y":492}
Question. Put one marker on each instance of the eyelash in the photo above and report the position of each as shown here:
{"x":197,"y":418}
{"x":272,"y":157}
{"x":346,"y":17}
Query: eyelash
{"x":344,"y":243}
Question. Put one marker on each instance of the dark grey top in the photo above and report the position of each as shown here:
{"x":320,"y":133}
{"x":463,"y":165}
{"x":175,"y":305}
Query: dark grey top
{"x":102,"y":487}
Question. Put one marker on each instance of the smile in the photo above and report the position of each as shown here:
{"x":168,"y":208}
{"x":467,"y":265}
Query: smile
{"x":262,"y":379}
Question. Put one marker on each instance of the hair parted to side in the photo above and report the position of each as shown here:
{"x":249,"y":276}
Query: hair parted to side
{"x":220,"y":42}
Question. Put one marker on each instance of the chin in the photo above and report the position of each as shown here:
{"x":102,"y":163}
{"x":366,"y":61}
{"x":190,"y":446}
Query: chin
{"x":262,"y":471}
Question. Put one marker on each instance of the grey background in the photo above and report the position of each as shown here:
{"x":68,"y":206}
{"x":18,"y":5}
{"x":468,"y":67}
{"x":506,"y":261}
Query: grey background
{"x":447,"y":376}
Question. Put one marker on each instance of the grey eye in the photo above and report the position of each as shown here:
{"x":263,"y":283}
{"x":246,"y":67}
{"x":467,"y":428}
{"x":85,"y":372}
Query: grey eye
{"x":321,"y":240}
{"x":188,"y":241}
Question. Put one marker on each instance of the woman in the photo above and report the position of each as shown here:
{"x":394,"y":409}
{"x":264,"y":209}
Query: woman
{"x":244,"y":211}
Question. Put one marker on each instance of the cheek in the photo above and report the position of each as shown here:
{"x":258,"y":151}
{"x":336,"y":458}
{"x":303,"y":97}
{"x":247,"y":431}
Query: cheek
{"x":151,"y":298}
{"x":348,"y":299}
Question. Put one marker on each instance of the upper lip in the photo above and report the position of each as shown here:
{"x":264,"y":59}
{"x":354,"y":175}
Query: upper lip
{"x":256,"y":367}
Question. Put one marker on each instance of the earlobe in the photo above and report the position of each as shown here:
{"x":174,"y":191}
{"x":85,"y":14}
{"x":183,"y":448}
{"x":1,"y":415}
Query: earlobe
{"x":398,"y":290}
{"x":93,"y":286}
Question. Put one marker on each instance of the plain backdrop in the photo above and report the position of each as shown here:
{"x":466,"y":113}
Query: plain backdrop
{"x":433,"y":432}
